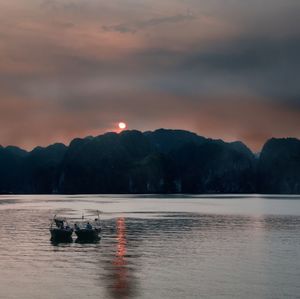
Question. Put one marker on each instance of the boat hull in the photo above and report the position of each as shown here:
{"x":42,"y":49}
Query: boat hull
{"x":87,"y":234}
{"x":61,"y":234}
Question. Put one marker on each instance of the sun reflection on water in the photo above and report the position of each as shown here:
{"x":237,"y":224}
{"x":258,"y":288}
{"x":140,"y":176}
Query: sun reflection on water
{"x":121,"y":247}
{"x":122,"y":280}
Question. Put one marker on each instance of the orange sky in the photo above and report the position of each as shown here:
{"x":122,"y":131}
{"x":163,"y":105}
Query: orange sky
{"x":72,"y":68}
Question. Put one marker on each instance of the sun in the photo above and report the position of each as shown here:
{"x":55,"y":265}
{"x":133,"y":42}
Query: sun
{"x":122,"y":125}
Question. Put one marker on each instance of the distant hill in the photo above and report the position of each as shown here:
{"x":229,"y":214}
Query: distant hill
{"x":163,"y":161}
{"x":279,"y":167}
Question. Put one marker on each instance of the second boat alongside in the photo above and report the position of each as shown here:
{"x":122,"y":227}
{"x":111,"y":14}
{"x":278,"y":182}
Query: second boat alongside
{"x":88,"y":230}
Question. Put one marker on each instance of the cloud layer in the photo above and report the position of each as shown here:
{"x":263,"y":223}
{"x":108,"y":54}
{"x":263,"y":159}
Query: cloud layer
{"x":223,"y":69}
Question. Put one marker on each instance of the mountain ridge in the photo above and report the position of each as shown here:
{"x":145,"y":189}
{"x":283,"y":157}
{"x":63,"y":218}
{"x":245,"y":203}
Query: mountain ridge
{"x":160,"y":161}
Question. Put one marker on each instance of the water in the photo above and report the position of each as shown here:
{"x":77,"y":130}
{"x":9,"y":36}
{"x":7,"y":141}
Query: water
{"x":153,"y":247}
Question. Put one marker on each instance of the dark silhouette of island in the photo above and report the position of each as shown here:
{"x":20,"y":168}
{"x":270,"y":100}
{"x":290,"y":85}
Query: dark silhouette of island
{"x":163,"y":161}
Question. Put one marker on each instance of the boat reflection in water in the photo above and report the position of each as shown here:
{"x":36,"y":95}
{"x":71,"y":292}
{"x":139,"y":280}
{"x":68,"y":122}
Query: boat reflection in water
{"x":122,"y":279}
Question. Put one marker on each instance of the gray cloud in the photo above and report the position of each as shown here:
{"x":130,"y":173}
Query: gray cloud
{"x":139,"y":25}
{"x":268,"y":67}
{"x":60,"y":5}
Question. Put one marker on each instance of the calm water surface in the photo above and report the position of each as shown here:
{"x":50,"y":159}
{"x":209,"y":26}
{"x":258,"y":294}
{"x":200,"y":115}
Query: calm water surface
{"x":153,"y":247}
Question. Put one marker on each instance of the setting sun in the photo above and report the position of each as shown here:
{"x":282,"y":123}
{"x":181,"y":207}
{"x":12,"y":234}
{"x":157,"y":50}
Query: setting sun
{"x":122,"y":125}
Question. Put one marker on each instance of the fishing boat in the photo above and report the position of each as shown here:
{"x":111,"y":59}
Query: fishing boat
{"x":60,"y":229}
{"x":88,"y":229}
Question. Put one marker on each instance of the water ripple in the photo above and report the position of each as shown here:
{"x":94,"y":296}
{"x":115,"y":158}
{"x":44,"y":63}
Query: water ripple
{"x":147,"y":254}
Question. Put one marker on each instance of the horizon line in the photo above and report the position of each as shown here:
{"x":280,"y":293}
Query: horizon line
{"x":143,"y":132}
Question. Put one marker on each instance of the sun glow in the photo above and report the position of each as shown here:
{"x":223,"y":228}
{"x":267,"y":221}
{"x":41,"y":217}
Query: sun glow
{"x":122,"y":125}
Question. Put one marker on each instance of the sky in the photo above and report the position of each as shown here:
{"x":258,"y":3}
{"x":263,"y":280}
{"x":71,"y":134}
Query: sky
{"x":225,"y":69}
